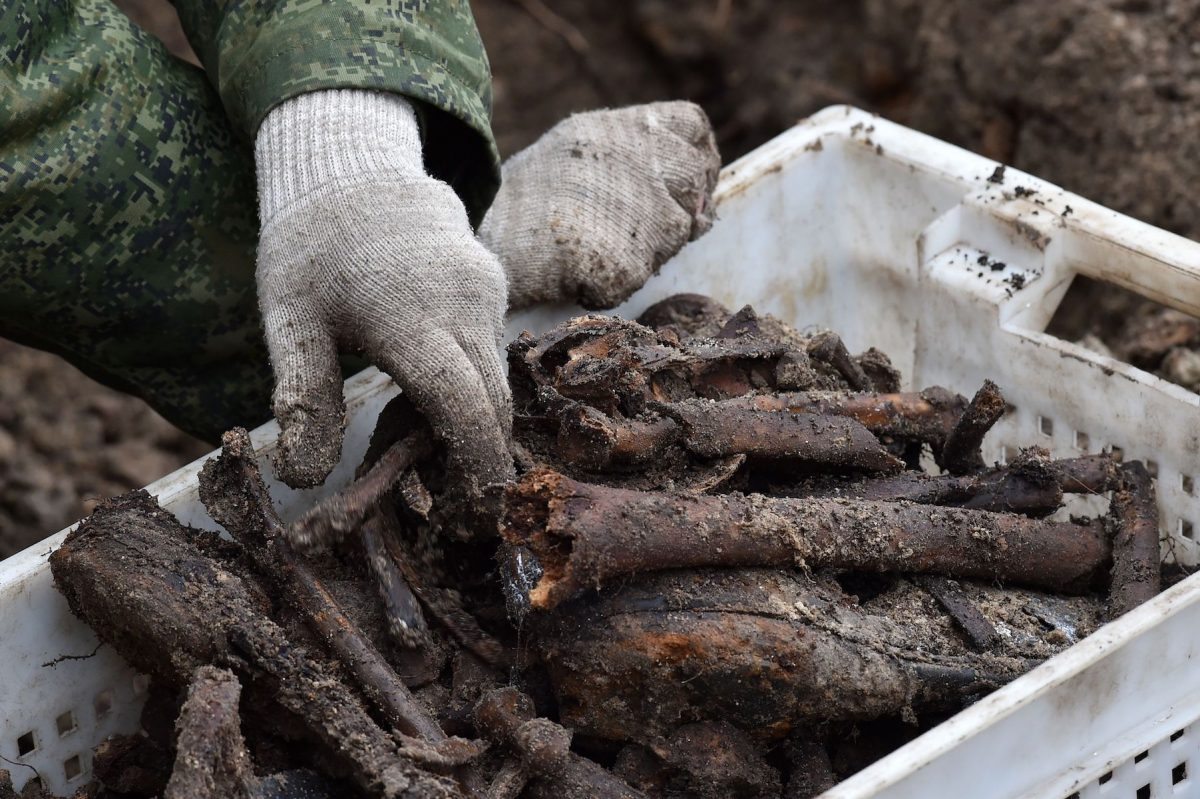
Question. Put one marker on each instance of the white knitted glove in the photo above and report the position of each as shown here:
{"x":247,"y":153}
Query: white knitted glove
{"x":361,"y":249}
{"x":591,"y":210}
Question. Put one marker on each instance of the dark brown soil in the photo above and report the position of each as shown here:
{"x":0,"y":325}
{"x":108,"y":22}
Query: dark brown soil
{"x":1100,"y":97}
{"x":67,"y":442}
{"x":1113,"y":321}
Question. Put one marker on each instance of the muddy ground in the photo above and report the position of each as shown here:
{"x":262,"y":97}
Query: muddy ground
{"x":1099,"y":96}
{"x":67,"y":442}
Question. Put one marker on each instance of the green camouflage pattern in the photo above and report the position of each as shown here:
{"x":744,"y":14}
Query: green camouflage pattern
{"x":128,"y":216}
{"x":258,"y":54}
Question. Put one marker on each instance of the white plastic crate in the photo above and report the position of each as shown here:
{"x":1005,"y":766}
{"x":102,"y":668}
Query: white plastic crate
{"x":850,"y":222}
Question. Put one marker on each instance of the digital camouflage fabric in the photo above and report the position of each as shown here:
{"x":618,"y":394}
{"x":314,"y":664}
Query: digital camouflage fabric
{"x":260,"y":53}
{"x":128,"y":219}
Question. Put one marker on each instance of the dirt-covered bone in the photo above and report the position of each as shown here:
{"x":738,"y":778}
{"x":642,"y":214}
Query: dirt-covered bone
{"x":211,"y":761}
{"x":591,"y":438}
{"x":1135,"y":572}
{"x":960,"y":454}
{"x":705,"y":429}
{"x":829,"y":347}
{"x":833,"y":443}
{"x":618,"y":366}
{"x":549,"y":767}
{"x":405,"y":620}
{"x":981,"y":632}
{"x":1032,"y":485}
{"x":764,"y":649}
{"x":344,"y":511}
{"x":586,"y":535}
{"x":441,"y":605}
{"x":925,"y":417}
{"x":688,"y":315}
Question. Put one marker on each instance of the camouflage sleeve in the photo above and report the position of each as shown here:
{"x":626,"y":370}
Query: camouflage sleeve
{"x":259,"y":54}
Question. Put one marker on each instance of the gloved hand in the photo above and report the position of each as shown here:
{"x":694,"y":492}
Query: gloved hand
{"x":591,"y":210}
{"x":361,"y":250}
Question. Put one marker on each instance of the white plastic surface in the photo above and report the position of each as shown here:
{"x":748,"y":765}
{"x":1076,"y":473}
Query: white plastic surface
{"x":854,"y":223}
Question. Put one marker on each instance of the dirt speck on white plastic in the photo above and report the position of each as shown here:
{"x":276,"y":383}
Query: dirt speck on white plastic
{"x":902,"y":242}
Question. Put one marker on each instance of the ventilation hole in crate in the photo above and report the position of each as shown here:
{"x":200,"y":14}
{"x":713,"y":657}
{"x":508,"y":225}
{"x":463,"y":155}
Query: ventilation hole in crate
{"x":65,"y":723}
{"x":1105,"y":777}
{"x":1187,"y":484}
{"x":1186,"y":530}
{"x":102,"y":704}
{"x":1045,"y":425}
{"x":1082,"y":441}
{"x":73,"y":767}
{"x":1008,"y":454}
{"x":1152,"y":468}
{"x":1143,"y":792}
{"x":1140,"y":756}
{"x":1175,"y":736}
{"x":1179,"y":773}
{"x":1117,"y":452}
{"x":26,"y":743}
{"x":140,"y":683}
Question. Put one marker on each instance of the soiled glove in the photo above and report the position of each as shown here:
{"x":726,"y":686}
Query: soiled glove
{"x":361,"y":249}
{"x":590,"y":210}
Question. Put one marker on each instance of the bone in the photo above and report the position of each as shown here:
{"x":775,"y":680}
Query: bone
{"x":960,"y":454}
{"x":770,"y":652}
{"x":709,"y":429}
{"x":586,"y":535}
{"x":232,"y":490}
{"x":1032,"y":485}
{"x":405,"y":621}
{"x":506,"y":717}
{"x":1134,"y":513}
{"x":211,"y":760}
{"x":340,"y":514}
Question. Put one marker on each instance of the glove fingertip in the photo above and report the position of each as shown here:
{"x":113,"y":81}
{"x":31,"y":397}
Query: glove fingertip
{"x":310,"y":445}
{"x":686,"y":120}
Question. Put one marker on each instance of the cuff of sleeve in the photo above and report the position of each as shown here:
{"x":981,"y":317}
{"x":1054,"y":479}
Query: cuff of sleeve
{"x":455,"y":115}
